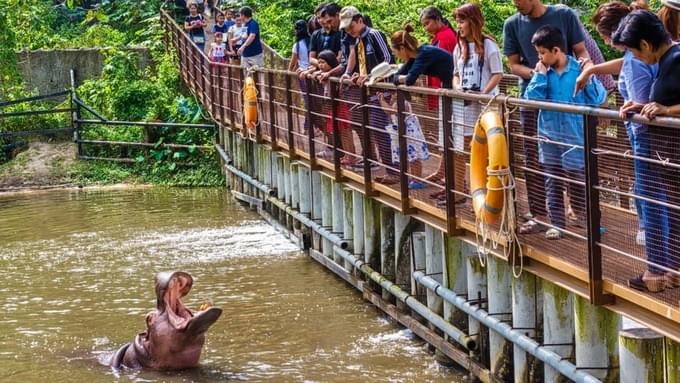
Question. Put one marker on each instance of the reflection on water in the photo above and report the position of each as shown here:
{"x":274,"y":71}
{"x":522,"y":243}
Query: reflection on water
{"x":77,"y":280}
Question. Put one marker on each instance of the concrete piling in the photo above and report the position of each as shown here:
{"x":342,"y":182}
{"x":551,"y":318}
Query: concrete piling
{"x":372,"y":234}
{"x":348,"y":222}
{"x":597,"y":332}
{"x":672,"y":360}
{"x":286,"y":180}
{"x":326,"y":212}
{"x":527,"y":300}
{"x":434,"y":265}
{"x":295,"y":185}
{"x":477,"y":293}
{"x":358,"y":221}
{"x":455,"y":279}
{"x":419,"y":260}
{"x":558,"y":324}
{"x":387,"y":248}
{"x":641,"y":356}
{"x":338,"y":216}
{"x":315,"y":195}
{"x":500,"y":305}
{"x":304,"y":184}
{"x":402,"y":259}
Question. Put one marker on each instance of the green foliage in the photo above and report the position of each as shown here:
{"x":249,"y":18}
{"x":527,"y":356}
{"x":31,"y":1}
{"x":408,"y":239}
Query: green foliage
{"x":276,"y":17}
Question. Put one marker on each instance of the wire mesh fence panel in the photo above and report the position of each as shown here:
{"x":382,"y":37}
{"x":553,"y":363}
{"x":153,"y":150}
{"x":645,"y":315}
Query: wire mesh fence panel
{"x":348,"y":142}
{"x":320,"y":117}
{"x":279,"y":111}
{"x":298,"y":108}
{"x":383,"y":170}
{"x":422,"y":118}
{"x":643,"y":250}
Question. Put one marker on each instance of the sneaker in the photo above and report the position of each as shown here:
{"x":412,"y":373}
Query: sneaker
{"x":416,"y":185}
{"x":360,"y":165}
{"x":640,"y":238}
{"x":326,"y":153}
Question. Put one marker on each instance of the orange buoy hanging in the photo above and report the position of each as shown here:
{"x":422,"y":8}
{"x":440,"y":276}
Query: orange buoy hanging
{"x":250,"y":102}
{"x":489,"y":151}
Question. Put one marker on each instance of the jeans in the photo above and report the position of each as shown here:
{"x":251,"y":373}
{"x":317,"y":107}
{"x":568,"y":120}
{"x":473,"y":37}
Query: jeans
{"x":658,"y":182}
{"x":378,"y":121}
{"x":536,"y":193}
{"x":554,"y":189}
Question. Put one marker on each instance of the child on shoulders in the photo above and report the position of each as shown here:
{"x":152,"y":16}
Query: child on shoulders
{"x":561,"y":134}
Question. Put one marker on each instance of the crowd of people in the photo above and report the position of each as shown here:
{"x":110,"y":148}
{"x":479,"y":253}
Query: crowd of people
{"x":549,"y":49}
{"x":236,"y":35}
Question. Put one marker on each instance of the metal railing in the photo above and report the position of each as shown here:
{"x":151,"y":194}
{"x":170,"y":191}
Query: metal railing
{"x":598,"y":247}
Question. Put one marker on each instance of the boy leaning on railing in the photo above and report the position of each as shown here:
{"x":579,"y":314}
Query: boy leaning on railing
{"x":560,"y":134}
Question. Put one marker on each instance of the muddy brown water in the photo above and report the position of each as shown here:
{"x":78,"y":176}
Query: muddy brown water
{"x":76,"y":281}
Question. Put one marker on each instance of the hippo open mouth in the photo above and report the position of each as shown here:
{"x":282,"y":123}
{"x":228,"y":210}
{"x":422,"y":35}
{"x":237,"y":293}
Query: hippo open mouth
{"x":174,"y":335}
{"x":171,"y":287}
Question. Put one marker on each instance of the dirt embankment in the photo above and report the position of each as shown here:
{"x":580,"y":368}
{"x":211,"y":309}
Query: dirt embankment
{"x":43,"y":165}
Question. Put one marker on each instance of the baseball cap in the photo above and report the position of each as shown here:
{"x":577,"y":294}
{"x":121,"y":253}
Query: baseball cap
{"x":675,"y":4}
{"x":346,"y":15}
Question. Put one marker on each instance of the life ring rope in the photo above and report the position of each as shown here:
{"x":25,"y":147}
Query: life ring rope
{"x":503,"y":182}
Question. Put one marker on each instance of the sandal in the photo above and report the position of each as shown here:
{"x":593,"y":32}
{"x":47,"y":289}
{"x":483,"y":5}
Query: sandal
{"x":653,"y":285}
{"x":672,"y":280}
{"x":553,"y":234}
{"x":530,"y":227}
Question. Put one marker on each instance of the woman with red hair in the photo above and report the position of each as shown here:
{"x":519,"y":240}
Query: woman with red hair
{"x":477,"y":68}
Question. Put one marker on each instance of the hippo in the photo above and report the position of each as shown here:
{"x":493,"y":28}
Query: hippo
{"x":174,"y":336}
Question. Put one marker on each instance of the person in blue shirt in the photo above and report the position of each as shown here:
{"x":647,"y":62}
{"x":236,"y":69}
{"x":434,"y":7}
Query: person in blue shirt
{"x":635,"y":82}
{"x":251,"y":50}
{"x":560,"y":134}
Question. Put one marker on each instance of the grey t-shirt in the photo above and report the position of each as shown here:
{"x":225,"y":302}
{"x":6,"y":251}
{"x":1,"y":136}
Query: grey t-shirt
{"x":519,"y":29}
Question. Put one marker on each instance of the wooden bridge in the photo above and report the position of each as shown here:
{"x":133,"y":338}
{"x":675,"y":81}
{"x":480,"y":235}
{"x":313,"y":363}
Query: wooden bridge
{"x":589,"y":262}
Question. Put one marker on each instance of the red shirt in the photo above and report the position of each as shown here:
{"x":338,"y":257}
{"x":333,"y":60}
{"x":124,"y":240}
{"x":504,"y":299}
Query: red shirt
{"x":445,"y":39}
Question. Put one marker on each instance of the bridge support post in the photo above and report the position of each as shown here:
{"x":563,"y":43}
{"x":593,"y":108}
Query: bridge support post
{"x":304,"y":184}
{"x":558,"y":324}
{"x":434,"y":267}
{"x":286,"y":180}
{"x":387,"y":247}
{"x":326,"y":212}
{"x":641,"y":356}
{"x":419,"y":260}
{"x":315,"y":197}
{"x":267,"y":176}
{"x":455,"y":279}
{"x":477,"y":293}
{"x":348,"y":222}
{"x":672,"y":360}
{"x":527,"y":301}
{"x":402,"y":261}
{"x":597,"y":332}
{"x":500,"y":306}
{"x":295,"y":169}
{"x":371,"y":234}
{"x":337,"y":205}
{"x":358,"y":245}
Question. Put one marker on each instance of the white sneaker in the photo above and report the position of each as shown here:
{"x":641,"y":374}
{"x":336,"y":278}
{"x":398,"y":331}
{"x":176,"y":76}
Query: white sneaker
{"x":640,"y":238}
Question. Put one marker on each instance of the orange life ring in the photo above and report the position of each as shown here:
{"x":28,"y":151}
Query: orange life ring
{"x":489,"y":150}
{"x":250,"y":103}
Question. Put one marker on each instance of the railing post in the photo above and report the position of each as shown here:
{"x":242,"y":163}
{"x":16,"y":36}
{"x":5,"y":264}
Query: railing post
{"x":232,"y":117}
{"x":289,"y":115}
{"x":366,"y":143}
{"x":449,"y":167}
{"x":336,"y":135}
{"x":597,"y":295}
{"x":403,"y":165}
{"x":272,"y":111}
{"x":310,"y":123}
{"x":220,"y":92}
